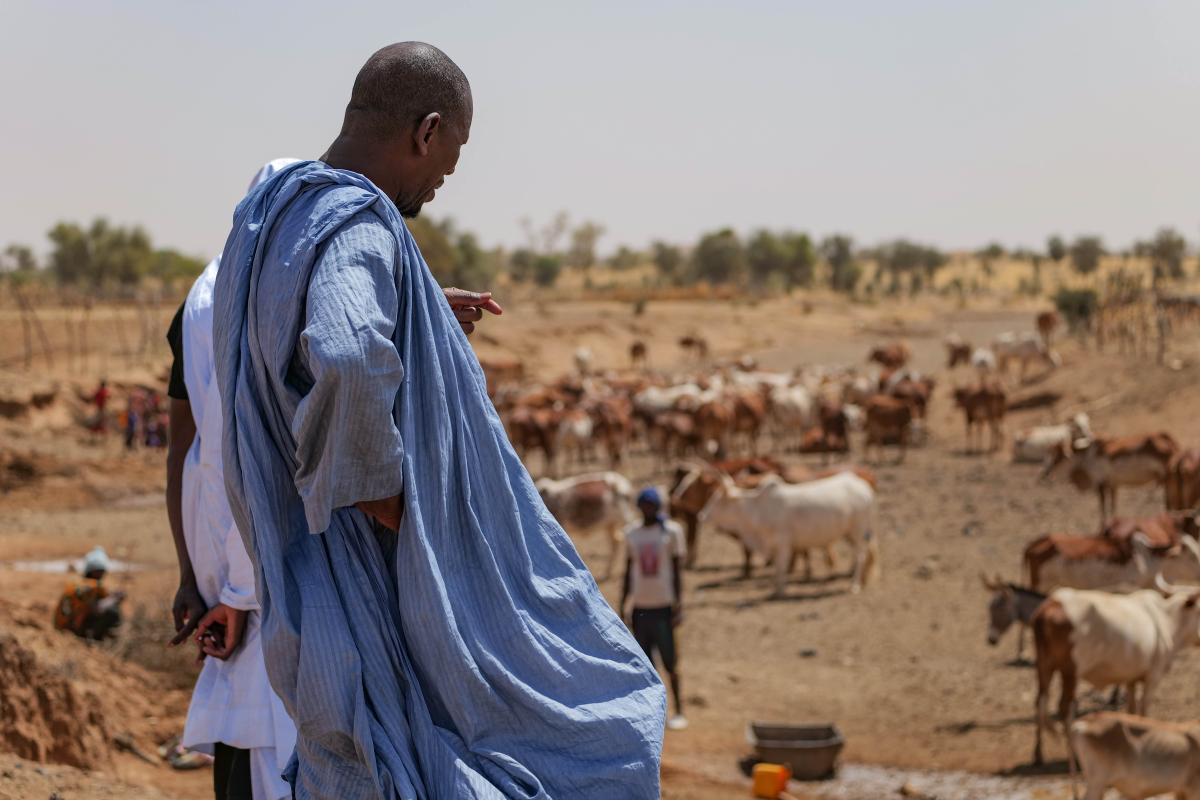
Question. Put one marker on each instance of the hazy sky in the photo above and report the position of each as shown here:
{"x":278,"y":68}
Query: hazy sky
{"x":955,"y":122}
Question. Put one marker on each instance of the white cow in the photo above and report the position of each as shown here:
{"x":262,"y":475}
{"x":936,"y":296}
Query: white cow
{"x":1110,"y":640}
{"x":1139,"y":757}
{"x":984,"y":361}
{"x":1036,"y":445}
{"x":778,"y":519}
{"x":583,"y":361}
{"x":586,"y":503}
{"x":1024,"y":348}
{"x":575,"y":435}
{"x":792,"y":408}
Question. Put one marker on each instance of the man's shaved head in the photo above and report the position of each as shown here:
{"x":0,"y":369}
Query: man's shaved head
{"x":403,"y":83}
{"x":408,"y":119}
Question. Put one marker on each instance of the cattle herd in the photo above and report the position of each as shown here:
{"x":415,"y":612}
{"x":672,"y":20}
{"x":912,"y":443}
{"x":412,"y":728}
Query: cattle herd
{"x":1107,"y":608}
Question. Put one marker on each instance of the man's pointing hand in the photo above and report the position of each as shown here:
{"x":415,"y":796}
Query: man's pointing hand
{"x":468,"y":307}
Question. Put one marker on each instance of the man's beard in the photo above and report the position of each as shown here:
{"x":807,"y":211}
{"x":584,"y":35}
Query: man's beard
{"x":409,"y":209}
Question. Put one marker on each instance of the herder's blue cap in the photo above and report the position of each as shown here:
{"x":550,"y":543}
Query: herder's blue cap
{"x":649,"y":495}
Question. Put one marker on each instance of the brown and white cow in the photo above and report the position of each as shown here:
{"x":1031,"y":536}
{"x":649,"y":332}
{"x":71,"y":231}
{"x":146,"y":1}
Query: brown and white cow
{"x":958,"y":351}
{"x":695,"y":346}
{"x":983,"y":405}
{"x":893,"y":355}
{"x":1110,"y":640}
{"x":1106,"y":464}
{"x":1127,"y":554}
{"x":612,"y":426}
{"x":831,"y":434}
{"x":637,"y":354}
{"x":911,"y":387}
{"x":532,"y":428}
{"x":1047,"y":323}
{"x":1137,"y":756}
{"x":888,"y":422}
{"x":1024,"y":349}
{"x":1183,"y":480}
{"x":1039,"y":444}
{"x":599,"y":501}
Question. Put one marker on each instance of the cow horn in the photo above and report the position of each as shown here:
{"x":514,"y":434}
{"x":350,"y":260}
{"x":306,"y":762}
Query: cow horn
{"x":988,"y":583}
{"x":1163,"y":587}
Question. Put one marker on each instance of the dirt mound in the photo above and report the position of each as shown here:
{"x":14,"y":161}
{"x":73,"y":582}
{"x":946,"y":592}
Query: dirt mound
{"x":25,"y":469}
{"x":42,"y":715}
{"x":35,"y":405}
{"x":66,"y":701}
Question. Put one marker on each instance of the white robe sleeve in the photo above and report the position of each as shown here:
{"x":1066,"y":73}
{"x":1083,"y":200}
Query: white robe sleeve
{"x":238,"y":591}
{"x":347,"y":444}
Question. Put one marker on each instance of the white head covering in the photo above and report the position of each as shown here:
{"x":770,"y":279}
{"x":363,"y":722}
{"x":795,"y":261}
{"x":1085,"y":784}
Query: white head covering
{"x":270,"y":168}
{"x":95,"y":561}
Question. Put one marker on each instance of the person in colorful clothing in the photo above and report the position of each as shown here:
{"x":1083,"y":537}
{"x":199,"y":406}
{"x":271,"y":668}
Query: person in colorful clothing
{"x":87,"y":608}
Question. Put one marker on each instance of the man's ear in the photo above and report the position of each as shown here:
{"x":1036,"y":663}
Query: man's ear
{"x":427,"y":128}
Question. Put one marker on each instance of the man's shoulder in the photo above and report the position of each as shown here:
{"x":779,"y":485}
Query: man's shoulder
{"x":315,"y":207}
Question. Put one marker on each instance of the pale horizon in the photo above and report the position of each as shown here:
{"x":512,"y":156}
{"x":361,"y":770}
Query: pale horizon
{"x":947,"y":123}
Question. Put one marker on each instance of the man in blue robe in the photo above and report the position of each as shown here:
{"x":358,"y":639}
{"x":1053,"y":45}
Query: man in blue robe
{"x":426,"y":622}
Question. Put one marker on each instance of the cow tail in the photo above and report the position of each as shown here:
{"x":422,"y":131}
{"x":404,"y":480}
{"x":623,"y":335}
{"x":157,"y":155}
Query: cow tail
{"x":872,"y":567}
{"x":1072,"y":771}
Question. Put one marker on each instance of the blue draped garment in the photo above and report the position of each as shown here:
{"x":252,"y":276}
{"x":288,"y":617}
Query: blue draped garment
{"x":469,"y":655}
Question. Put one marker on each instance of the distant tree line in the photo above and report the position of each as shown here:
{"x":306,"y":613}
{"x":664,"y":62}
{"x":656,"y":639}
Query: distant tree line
{"x":102,"y":257}
{"x":97,"y":258}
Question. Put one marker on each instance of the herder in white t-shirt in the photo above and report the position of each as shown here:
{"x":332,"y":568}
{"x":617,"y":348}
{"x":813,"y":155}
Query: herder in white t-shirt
{"x":653,"y":580}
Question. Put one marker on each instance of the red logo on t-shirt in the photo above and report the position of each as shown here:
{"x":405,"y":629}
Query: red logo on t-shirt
{"x":648,"y":560}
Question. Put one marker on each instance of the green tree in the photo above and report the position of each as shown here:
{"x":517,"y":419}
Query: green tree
{"x":719,"y":257}
{"x":582,"y":250}
{"x":801,"y":264}
{"x":70,"y":258}
{"x":171,"y":265}
{"x":19,"y":260}
{"x":1086,"y":252}
{"x":844,"y":269}
{"x":668,"y":260}
{"x":546,"y":269}
{"x":100,"y":255}
{"x":1056,"y":248}
{"x":521,"y":263}
{"x":1077,"y":306}
{"x":1166,"y":252}
{"x":625,"y":258}
{"x":766,"y":255}
{"x":993,"y":251}
{"x":475,"y":268}
{"x":437,"y":247}
{"x":903,"y":257}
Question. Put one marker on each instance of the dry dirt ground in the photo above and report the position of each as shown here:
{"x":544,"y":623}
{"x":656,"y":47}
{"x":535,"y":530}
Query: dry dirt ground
{"x":903,"y":668}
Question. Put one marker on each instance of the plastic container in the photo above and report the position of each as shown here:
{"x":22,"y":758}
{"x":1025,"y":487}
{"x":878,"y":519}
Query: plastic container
{"x":809,"y":751}
{"x":770,"y":779}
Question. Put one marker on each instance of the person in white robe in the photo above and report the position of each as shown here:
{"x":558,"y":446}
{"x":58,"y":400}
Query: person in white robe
{"x":234,"y":712}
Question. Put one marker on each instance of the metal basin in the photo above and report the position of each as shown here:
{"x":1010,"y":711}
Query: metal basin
{"x":811,"y":751}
